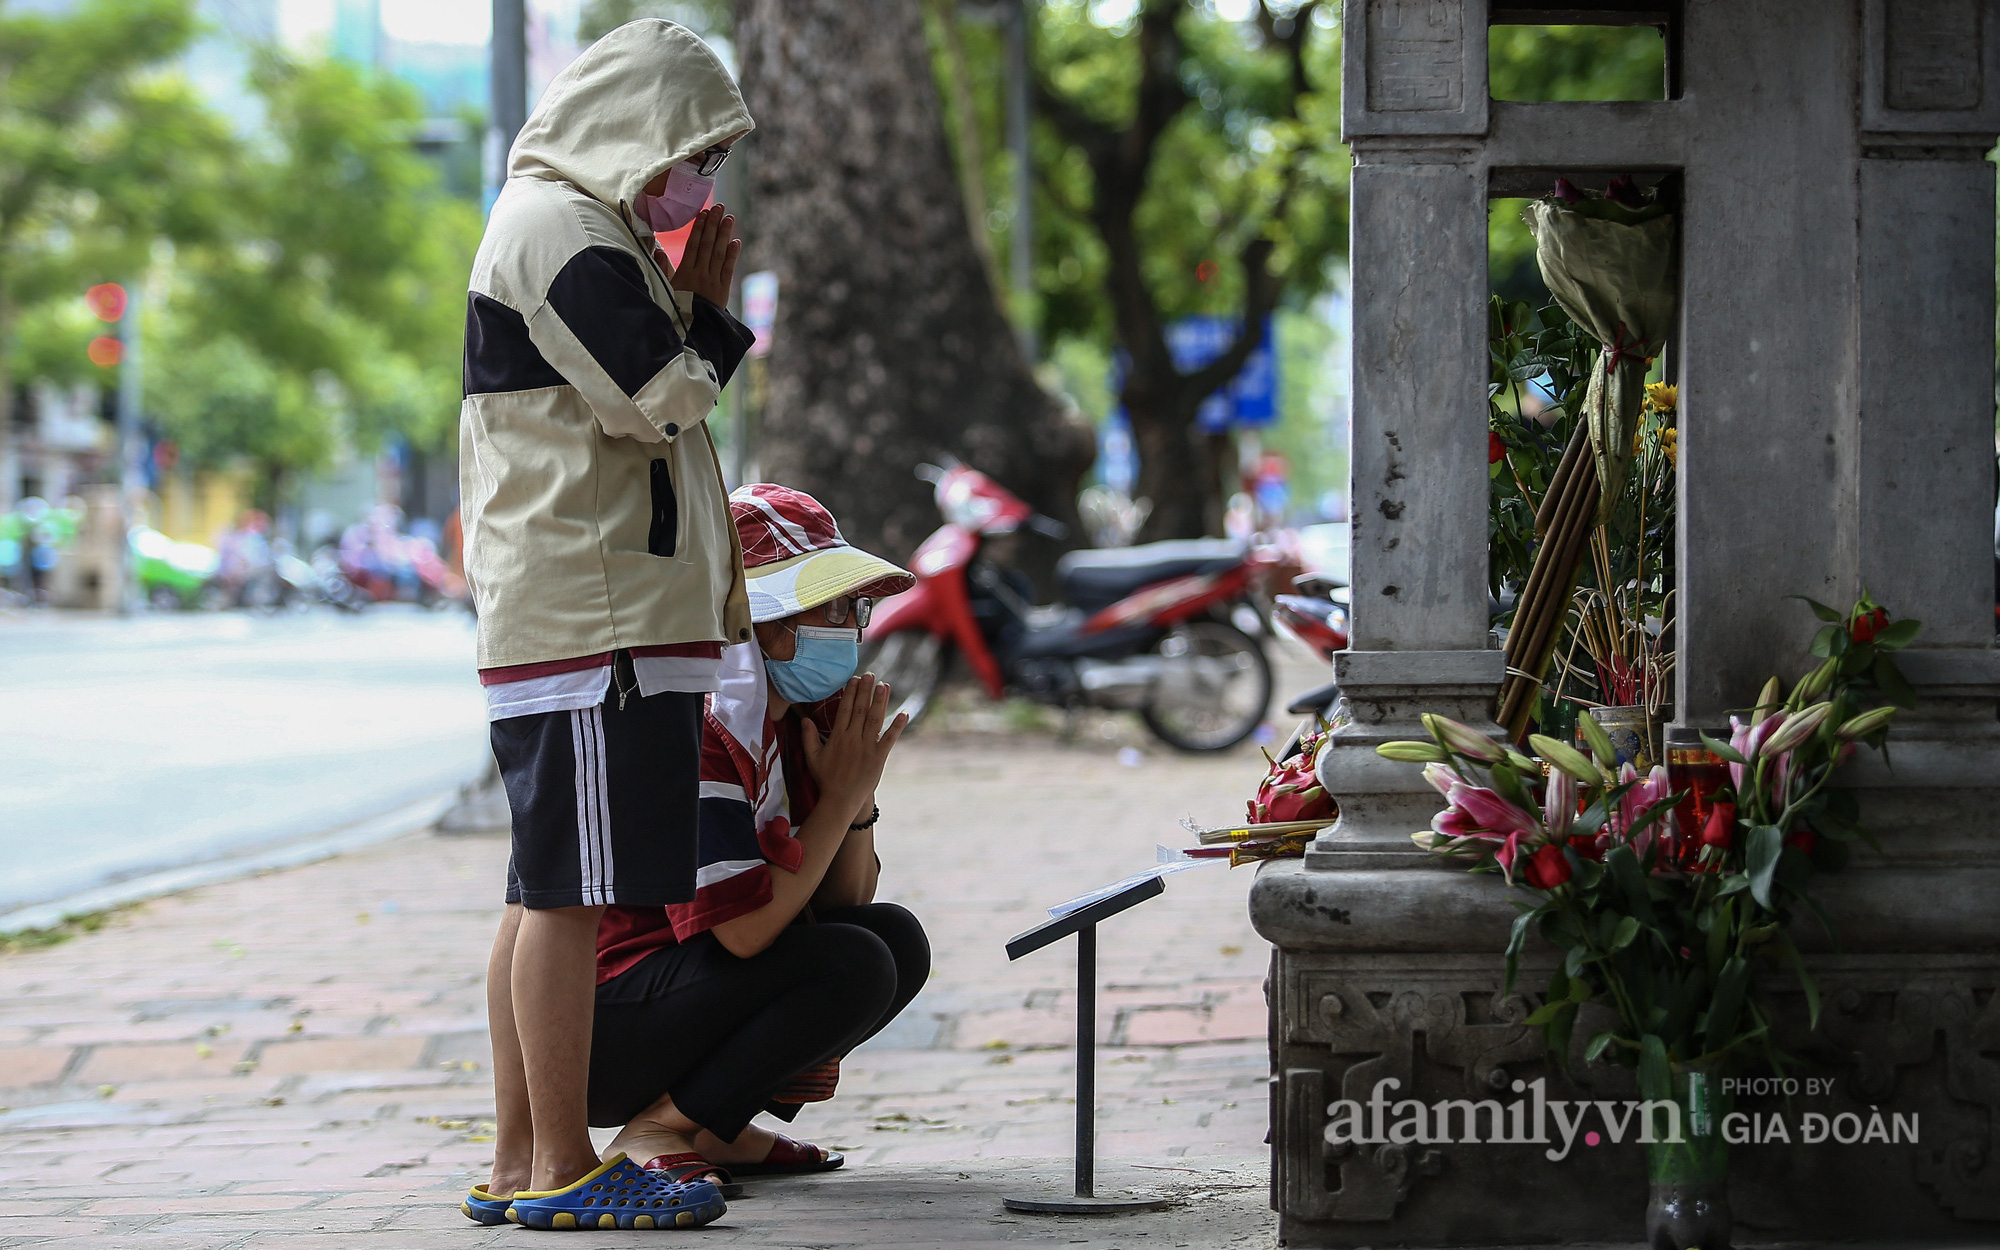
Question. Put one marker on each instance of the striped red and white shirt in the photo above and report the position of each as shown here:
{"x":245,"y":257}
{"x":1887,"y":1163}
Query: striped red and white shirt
{"x":755,"y":793}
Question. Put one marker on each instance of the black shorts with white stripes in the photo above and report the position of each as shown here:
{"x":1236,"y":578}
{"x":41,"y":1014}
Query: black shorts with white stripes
{"x":605,"y":801}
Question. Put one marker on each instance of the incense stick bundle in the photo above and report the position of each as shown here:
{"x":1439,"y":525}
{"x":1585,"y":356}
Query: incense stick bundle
{"x":1567,"y":514}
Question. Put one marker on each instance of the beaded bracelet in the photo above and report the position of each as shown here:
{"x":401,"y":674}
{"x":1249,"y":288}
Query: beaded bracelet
{"x":868,"y":823}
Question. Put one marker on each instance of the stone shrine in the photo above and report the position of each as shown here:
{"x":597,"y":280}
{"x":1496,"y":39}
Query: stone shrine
{"x":1835,"y":357}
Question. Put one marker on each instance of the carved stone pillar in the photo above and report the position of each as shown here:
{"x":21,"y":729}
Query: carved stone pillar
{"x":1415,"y":106}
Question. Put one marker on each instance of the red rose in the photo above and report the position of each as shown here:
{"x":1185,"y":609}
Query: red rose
{"x":1804,"y":839}
{"x":1719,"y":830}
{"x":1496,"y":450}
{"x":1586,"y":846}
{"x":1864,"y":628}
{"x":1547,"y":868}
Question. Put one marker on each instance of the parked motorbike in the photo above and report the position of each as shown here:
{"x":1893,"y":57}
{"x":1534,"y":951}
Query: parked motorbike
{"x":1155,"y":629}
{"x":1317,"y":618}
{"x":330,"y":585}
{"x":384,"y":565}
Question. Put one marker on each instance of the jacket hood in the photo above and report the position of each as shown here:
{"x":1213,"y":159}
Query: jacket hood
{"x":638,"y":101}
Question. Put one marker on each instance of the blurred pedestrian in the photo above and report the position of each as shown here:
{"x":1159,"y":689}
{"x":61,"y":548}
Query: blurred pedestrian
{"x":603,"y":562}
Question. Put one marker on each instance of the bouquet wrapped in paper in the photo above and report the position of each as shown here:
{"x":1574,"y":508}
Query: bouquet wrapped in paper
{"x":1612,"y":262}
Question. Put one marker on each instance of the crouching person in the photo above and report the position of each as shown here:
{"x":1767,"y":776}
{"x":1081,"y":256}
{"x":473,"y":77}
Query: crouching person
{"x":745,"y":999}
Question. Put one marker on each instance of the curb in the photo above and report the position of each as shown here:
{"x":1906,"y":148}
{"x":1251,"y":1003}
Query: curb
{"x":407,"y":819}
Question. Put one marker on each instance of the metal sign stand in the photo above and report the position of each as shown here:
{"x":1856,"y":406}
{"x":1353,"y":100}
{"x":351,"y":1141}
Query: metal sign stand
{"x":1083,"y":923}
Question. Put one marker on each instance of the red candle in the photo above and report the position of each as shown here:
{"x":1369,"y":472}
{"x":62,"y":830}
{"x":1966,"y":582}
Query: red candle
{"x":1700,"y":772}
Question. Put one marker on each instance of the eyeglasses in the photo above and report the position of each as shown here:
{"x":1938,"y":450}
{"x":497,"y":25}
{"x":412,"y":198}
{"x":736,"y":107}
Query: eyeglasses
{"x":706,"y":163}
{"x":836,"y":611}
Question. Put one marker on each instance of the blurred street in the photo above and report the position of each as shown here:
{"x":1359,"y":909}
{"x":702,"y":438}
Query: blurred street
{"x":168,"y":739}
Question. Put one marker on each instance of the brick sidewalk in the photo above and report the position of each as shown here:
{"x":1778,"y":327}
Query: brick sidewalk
{"x":300,"y":1059}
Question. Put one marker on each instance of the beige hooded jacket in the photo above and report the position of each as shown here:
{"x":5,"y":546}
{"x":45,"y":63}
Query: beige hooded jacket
{"x":593,"y":504}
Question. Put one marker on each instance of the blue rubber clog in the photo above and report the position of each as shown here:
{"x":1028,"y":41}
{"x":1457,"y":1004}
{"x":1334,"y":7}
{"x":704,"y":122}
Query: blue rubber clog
{"x":620,"y":1194}
{"x":483,"y":1208}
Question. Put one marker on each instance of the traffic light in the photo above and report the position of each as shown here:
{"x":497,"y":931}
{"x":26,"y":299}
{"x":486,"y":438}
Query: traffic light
{"x":107,"y":302}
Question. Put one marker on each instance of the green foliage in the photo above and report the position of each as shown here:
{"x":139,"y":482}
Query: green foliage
{"x":50,"y":340}
{"x":1543,"y":63}
{"x":219,"y":398}
{"x":1307,"y":378}
{"x":335,"y":305}
{"x":1214,"y":176}
{"x":1524,"y":346}
{"x":100,"y":155}
{"x":315,"y":291}
{"x":19,"y":940}
{"x":599,"y":18}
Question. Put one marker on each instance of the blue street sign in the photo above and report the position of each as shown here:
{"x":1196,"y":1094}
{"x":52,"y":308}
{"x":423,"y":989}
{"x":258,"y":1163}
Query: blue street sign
{"x":1249,"y":399}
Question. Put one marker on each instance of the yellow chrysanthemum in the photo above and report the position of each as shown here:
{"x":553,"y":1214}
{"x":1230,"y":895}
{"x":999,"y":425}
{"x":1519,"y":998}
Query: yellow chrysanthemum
{"x":1662,"y":397}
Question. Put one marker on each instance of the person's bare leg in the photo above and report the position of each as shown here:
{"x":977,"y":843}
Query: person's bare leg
{"x":660,"y":1129}
{"x":513,"y":1129}
{"x":555,"y":990}
{"x":663,"y":1129}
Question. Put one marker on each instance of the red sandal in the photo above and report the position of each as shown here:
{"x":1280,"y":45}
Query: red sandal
{"x":792,"y":1158}
{"x":689,"y":1166}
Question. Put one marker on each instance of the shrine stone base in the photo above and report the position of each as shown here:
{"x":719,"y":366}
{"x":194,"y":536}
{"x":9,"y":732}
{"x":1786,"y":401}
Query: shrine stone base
{"x":1358,"y":994}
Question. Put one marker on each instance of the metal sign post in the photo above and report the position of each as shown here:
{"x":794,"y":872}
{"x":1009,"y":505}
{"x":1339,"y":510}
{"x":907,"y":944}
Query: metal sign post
{"x":1083,"y":922}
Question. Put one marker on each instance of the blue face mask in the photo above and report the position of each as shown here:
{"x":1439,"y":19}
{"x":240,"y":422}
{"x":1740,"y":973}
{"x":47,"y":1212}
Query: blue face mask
{"x":819,"y":667}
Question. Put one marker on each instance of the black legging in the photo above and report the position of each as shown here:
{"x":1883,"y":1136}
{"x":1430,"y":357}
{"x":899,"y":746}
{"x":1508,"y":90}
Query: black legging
{"x":722,"y":1034}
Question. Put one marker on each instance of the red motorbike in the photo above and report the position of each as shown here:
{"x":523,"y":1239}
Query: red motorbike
{"x":1313,"y":616}
{"x":1156,"y":629}
{"x":1316,"y":617}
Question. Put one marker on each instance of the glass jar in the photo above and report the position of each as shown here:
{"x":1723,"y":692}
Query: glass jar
{"x":1688,"y":1208}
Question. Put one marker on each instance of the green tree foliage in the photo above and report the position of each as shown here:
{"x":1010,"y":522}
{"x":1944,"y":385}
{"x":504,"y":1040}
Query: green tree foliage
{"x":337,"y":301}
{"x":707,"y":18}
{"x":314,"y":292}
{"x":101,"y":155}
{"x":1214,"y":183}
{"x":1190,"y":163}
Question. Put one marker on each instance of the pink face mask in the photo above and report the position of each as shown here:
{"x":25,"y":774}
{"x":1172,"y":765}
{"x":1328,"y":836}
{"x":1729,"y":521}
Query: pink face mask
{"x":686,"y":194}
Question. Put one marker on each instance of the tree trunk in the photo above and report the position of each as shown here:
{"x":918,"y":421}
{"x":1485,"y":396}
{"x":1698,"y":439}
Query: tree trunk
{"x":1177,"y":468}
{"x":889,"y":348}
{"x":1180,"y":467}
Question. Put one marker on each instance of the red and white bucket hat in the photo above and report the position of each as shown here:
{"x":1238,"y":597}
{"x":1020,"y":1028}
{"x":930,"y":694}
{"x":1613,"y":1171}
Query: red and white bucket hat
{"x":794,"y":558}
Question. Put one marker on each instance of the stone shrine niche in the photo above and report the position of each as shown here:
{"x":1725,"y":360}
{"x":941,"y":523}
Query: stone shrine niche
{"x":1835,"y":357}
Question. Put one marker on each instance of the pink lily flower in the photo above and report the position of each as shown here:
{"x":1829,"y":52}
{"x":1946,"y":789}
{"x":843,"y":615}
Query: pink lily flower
{"x":1442,"y":778}
{"x":1632,"y":805}
{"x":1492,"y":813}
{"x":1761,"y":732}
{"x":1739,"y":741}
{"x":1476,"y":812}
{"x":1454,"y":822}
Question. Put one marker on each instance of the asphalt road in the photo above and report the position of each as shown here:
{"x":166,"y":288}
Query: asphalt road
{"x":129,"y":746}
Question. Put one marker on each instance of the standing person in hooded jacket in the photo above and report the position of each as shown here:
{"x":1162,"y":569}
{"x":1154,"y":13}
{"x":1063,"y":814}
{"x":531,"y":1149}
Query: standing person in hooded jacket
{"x":604,"y":566}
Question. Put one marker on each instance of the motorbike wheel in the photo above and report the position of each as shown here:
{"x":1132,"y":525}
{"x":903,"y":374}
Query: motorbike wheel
{"x":1215,"y":690}
{"x":163,"y":599}
{"x":912,"y":662}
